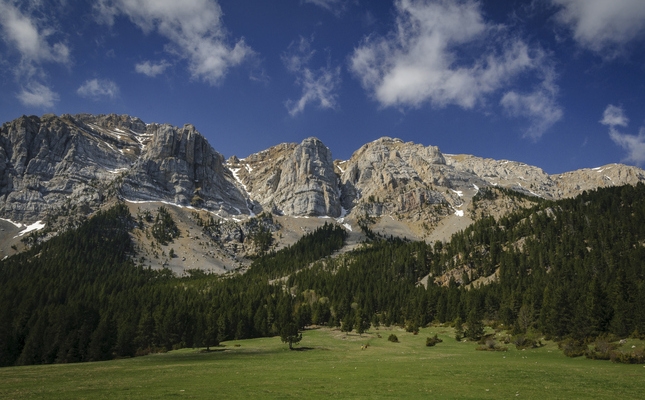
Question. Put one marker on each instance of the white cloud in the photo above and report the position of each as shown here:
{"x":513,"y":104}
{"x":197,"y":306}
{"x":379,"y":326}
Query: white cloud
{"x":614,"y":116}
{"x":317,"y":85}
{"x":96,"y":89}
{"x":30,"y":38}
{"x":538,"y":106}
{"x":634,"y":145}
{"x":335,"y":6}
{"x":37,"y":95}
{"x":24,"y":33}
{"x":194,"y":29}
{"x":445,"y":53}
{"x":151,"y":69}
{"x":603,"y":25}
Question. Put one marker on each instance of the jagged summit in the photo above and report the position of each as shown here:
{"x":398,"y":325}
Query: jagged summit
{"x":51,"y":163}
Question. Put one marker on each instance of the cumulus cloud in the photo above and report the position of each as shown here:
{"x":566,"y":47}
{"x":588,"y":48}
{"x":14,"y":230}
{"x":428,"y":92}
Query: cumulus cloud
{"x":194,"y":29}
{"x":603,"y":25}
{"x":96,"y":89}
{"x":444,"y":53}
{"x":634,"y":145}
{"x":24,"y":34}
{"x":151,"y":69}
{"x":30,"y":38}
{"x":614,"y":116}
{"x":37,"y":95}
{"x":318,"y":86}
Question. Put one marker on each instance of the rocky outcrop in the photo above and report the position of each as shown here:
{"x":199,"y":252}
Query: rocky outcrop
{"x":51,"y":165}
{"x":534,"y":181}
{"x":388,"y":175}
{"x":290,"y":179}
{"x":56,"y":162}
{"x":178,"y":165}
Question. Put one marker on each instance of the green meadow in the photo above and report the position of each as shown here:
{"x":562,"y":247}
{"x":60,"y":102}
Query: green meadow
{"x":332,"y":363}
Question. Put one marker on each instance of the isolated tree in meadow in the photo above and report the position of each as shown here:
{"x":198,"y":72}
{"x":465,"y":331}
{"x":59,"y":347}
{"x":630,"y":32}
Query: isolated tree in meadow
{"x":289,"y":334}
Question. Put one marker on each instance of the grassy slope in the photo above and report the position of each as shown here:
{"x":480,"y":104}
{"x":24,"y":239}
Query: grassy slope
{"x":334,"y":365}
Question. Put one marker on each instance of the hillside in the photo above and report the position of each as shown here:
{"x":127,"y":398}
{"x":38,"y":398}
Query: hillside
{"x":567,"y":269}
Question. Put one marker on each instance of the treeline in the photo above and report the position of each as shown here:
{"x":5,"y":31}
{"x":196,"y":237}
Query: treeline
{"x":568,"y":269}
{"x":79,"y":297}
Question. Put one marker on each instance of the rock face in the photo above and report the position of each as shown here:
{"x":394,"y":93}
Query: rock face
{"x":178,"y":165}
{"x":290,"y":179}
{"x":393,"y":176}
{"x":53,"y":165}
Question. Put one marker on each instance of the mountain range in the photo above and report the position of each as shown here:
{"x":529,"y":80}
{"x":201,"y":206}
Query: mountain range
{"x":57,"y":170}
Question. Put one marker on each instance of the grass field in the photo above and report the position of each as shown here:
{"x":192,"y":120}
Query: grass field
{"x":332,"y":364}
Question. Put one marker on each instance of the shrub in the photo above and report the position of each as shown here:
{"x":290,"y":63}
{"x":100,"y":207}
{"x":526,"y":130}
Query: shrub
{"x":491,"y":345}
{"x":526,"y":341}
{"x":602,"y":349}
{"x":431,"y":341}
{"x":636,"y":356}
{"x":572,"y":347}
{"x":392,"y":338}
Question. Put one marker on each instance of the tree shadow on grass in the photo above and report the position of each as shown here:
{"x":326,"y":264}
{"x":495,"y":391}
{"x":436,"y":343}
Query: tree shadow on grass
{"x":303,"y":348}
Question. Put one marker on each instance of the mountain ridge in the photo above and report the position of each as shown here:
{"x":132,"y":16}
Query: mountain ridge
{"x":45,"y":157}
{"x":60,"y":169}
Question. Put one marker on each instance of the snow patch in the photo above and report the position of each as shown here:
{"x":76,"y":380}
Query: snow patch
{"x":36,"y":226}
{"x":459,"y":213}
{"x":458,"y":192}
{"x":237,"y":178}
{"x":116,"y":171}
{"x":476,"y":187}
{"x":348,"y":227}
{"x":248,"y":167}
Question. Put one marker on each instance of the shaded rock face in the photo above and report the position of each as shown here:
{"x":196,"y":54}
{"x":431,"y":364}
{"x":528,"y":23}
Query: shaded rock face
{"x":54,"y":164}
{"x":179,"y":165}
{"x":48,"y":162}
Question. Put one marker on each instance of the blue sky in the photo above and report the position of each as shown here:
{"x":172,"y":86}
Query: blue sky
{"x":553,"y":83}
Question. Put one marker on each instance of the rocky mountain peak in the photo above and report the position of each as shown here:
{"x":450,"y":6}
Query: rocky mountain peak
{"x":50,"y":163}
{"x":291,"y":179}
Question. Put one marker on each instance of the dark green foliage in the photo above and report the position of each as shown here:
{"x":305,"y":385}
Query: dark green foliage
{"x":392,"y":338}
{"x":475,"y":326}
{"x":636,"y":356}
{"x":459,"y":329}
{"x":290,"y":334}
{"x":571,"y":269}
{"x":311,"y":247}
{"x":572,"y":347}
{"x":526,"y":341}
{"x":431,"y":341}
{"x":601,"y":349}
{"x":164,"y":229}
